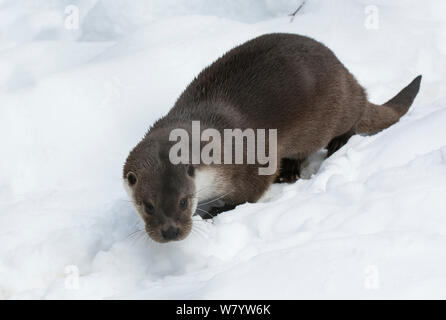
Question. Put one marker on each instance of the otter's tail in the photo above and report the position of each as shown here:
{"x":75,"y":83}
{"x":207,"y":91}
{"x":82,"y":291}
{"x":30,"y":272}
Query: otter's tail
{"x":377,"y":118}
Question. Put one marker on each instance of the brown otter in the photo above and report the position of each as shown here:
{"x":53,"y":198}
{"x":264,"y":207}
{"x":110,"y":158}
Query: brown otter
{"x":284,"y":81}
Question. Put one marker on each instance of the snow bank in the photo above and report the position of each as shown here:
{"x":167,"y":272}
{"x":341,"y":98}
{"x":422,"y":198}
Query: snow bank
{"x":370,"y":223}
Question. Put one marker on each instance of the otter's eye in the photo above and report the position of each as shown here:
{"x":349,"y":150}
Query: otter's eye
{"x":183,"y":203}
{"x":131,"y":178}
{"x":149,"y":207}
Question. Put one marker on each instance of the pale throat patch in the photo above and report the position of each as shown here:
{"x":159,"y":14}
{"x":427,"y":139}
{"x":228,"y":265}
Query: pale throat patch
{"x":207,"y":184}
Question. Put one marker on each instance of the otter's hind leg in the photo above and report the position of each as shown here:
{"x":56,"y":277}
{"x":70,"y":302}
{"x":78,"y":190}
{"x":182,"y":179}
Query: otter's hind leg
{"x":289,"y":170}
{"x":338,"y":142}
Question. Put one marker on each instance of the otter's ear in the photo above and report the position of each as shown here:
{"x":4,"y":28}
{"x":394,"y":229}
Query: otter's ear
{"x":190,"y":170}
{"x":131,"y":178}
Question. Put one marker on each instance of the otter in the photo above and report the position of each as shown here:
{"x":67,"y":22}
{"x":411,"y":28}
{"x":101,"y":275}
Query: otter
{"x":288,"y":82}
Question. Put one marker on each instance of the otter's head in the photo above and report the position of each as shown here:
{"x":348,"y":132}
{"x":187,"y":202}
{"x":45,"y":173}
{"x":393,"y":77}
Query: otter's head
{"x":162,"y":193}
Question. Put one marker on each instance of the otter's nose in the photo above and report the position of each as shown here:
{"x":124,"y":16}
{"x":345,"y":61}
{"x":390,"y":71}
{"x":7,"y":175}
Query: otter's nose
{"x":170,"y":233}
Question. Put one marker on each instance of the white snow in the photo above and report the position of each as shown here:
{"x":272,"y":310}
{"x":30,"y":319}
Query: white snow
{"x":370,"y":223}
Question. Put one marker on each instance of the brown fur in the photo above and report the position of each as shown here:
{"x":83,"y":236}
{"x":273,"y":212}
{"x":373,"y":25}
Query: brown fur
{"x":277,"y":81}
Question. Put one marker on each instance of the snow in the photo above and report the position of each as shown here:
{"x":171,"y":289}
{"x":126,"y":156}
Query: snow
{"x":369,"y":223}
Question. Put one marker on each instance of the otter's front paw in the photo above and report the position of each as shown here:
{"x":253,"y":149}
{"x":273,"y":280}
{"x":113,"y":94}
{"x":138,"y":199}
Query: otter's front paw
{"x":289,"y":171}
